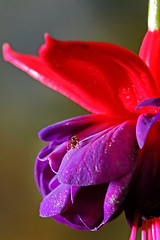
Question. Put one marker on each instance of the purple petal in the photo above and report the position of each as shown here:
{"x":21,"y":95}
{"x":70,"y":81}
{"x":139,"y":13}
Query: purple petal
{"x":56,"y":156}
{"x":44,"y":153}
{"x":153,"y":102}
{"x":144,"y":123}
{"x":69,"y":216}
{"x":53,"y":153}
{"x":72,"y":217}
{"x":56,"y":201}
{"x":39,"y":168}
{"x":73,"y":223}
{"x":62,"y":131}
{"x":144,"y":195}
{"x":43,"y":175}
{"x":88,"y":203}
{"x":147,"y":190}
{"x":54,"y":183}
{"x":45,"y":179}
{"x":101,"y":158}
{"x":115,"y":196}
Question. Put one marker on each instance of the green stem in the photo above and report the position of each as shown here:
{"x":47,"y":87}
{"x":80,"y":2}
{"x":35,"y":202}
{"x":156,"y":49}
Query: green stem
{"x":154,"y":15}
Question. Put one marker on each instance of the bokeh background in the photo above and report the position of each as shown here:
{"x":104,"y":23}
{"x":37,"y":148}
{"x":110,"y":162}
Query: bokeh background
{"x":26,"y":106}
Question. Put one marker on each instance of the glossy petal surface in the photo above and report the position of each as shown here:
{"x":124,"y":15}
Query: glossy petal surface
{"x":101,"y":77}
{"x":101,"y":158}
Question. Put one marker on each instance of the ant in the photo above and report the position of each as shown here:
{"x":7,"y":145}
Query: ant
{"x":73,"y":143}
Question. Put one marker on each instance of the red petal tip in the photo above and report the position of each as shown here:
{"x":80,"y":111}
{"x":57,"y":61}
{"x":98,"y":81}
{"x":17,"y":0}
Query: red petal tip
{"x":46,"y":36}
{"x":6,"y":49}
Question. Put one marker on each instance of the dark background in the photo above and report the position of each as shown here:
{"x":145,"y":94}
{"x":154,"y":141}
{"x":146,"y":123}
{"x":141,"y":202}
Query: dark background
{"x":27,"y":106}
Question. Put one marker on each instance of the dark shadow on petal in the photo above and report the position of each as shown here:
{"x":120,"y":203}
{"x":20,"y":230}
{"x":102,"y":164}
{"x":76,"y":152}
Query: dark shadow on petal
{"x":88,"y":202}
{"x":72,"y":217}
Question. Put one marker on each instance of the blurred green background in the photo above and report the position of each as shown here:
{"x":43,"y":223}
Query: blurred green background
{"x":27,"y":106}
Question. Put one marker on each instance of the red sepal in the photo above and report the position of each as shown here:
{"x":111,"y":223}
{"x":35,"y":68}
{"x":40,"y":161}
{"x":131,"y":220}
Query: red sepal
{"x":150,"y":53}
{"x":101,"y":77}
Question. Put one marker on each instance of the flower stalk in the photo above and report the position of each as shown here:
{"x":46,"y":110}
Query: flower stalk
{"x":154,"y":15}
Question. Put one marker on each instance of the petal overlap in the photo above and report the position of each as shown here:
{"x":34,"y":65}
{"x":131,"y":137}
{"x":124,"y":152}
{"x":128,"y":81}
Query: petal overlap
{"x":56,"y":201}
{"x":115,"y":196}
{"x":144,"y":124}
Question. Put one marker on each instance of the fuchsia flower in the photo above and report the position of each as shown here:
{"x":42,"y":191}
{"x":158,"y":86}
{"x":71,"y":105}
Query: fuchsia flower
{"x":113,"y":161}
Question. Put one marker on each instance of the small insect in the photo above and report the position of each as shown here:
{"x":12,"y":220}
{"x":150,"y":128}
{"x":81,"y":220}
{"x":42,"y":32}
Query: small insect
{"x":73,"y":143}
